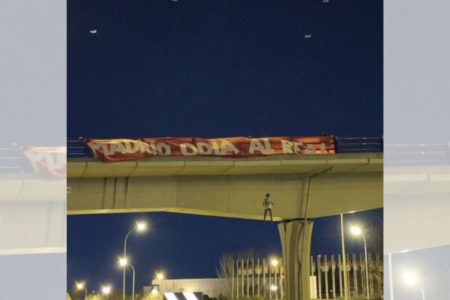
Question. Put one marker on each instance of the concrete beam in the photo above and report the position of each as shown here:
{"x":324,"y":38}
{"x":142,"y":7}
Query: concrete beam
{"x":233,"y":196}
{"x":189,"y":166}
{"x":229,"y":187}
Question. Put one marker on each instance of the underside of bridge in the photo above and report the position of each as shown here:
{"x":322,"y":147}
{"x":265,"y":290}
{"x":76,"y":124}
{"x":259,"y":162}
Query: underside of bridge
{"x":228,"y":187}
{"x":301,"y":187}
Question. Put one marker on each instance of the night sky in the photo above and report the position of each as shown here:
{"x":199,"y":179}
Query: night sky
{"x":212,"y":69}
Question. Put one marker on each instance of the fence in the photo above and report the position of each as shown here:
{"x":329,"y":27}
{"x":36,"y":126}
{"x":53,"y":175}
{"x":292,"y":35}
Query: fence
{"x":328,"y":274}
{"x":264,"y":278}
{"x":417,"y":154}
{"x":251,"y":278}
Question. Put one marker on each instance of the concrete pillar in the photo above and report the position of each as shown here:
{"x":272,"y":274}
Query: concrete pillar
{"x":296,"y":244}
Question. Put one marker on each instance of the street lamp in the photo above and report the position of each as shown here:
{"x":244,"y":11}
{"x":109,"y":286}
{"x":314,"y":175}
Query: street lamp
{"x":81,"y":286}
{"x":139,"y":227}
{"x":154,"y":291}
{"x":124,"y":263}
{"x":274,"y":262}
{"x":106,"y":290}
{"x":160,"y":275}
{"x":358,"y":231}
{"x":411,"y":279}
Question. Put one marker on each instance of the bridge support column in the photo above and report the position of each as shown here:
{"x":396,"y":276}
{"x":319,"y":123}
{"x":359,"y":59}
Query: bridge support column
{"x":296,"y":244}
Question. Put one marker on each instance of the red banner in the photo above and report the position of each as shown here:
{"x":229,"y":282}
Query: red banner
{"x":111,"y":150}
{"x":49,"y":161}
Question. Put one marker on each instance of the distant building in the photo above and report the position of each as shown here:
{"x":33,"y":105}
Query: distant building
{"x":212,"y":287}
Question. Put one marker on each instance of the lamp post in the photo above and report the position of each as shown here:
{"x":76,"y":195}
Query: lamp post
{"x":139,"y":227}
{"x":124,"y":263}
{"x":106,"y":290}
{"x":411,"y":279}
{"x":81,"y":286}
{"x":357,"y":231}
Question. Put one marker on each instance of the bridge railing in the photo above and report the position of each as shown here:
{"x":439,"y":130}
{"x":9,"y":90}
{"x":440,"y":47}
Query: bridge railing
{"x":417,"y":154}
{"x":359,"y":144}
{"x":76,"y":149}
{"x":398,"y":154}
{"x":10,"y":159}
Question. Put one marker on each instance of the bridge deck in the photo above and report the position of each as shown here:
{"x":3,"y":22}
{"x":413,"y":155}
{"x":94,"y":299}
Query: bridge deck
{"x":182,"y":166}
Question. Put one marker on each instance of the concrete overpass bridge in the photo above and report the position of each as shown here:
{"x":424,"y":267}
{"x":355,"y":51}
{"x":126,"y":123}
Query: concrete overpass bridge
{"x":301,"y":187}
{"x":228,"y":187}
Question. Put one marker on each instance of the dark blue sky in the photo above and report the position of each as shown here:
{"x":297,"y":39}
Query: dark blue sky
{"x":214,"y":68}
{"x":189,"y":246}
{"x":224,"y":68}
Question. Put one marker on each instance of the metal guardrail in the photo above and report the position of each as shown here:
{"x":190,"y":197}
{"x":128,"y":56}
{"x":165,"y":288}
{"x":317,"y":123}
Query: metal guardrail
{"x":76,"y":149}
{"x":10,"y":160}
{"x":417,"y":154}
{"x":359,"y":144}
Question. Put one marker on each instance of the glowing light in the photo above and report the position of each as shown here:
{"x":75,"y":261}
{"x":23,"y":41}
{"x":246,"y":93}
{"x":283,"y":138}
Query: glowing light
{"x":356,"y":230}
{"x":154,"y":291}
{"x":123,"y":261}
{"x":189,"y":296}
{"x":93,"y":31}
{"x":170,"y":296}
{"x":106,"y":289}
{"x":160,"y":276}
{"x":141,"y":226}
{"x":273,"y":288}
{"x":274,"y":262}
{"x":410,"y":278}
{"x":80,"y":285}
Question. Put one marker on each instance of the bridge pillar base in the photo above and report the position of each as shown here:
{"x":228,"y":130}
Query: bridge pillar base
{"x":296,"y":246}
